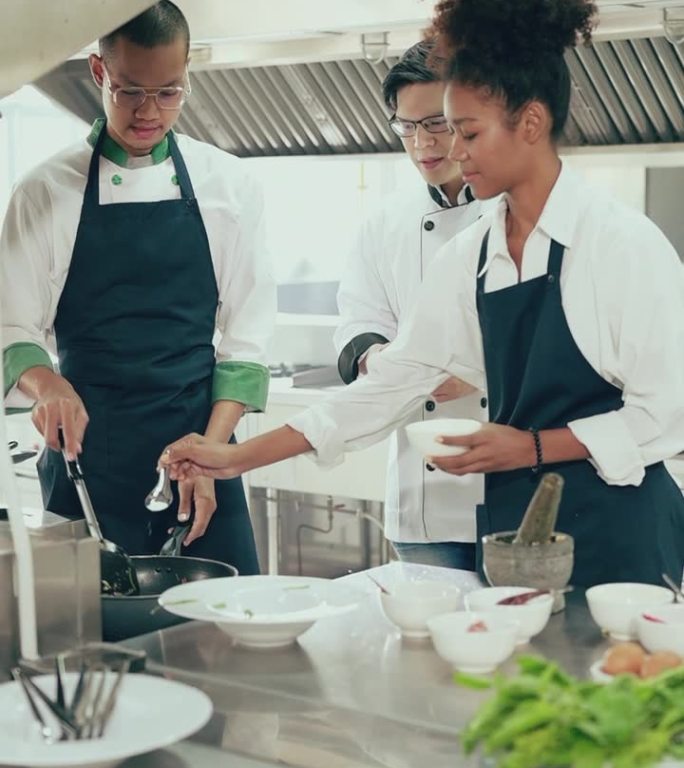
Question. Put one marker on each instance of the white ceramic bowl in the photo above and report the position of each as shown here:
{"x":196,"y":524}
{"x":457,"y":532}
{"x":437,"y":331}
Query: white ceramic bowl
{"x":473,"y":652}
{"x":531,"y":617}
{"x":615,"y":607}
{"x":668,"y":636}
{"x":261,"y":611}
{"x":412,"y":603}
{"x":422,"y":435}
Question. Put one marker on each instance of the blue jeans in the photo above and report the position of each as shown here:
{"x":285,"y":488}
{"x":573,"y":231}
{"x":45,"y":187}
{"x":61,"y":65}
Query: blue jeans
{"x":447,"y":554}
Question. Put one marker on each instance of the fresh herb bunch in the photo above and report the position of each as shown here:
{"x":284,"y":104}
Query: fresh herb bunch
{"x":544,"y":717}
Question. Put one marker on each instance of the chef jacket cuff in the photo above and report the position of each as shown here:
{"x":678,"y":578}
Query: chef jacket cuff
{"x":16,"y":359}
{"x":614,"y":453}
{"x":322,"y":432}
{"x":348,"y":361}
{"x":242,"y":382}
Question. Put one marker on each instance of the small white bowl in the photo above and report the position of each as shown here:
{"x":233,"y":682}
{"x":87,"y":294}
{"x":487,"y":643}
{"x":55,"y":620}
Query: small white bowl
{"x":412,"y":603}
{"x":668,"y":636}
{"x":422,"y":435}
{"x":474,"y":652}
{"x":531,"y":617}
{"x":615,"y":607}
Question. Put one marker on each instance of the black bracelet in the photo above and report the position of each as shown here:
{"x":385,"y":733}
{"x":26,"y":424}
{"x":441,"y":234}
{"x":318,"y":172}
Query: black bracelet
{"x":537,"y":448}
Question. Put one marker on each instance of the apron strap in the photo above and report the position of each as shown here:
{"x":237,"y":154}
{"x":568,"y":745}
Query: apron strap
{"x":556,"y":251}
{"x":187,"y":191}
{"x":91,"y":196}
{"x":482,"y":261}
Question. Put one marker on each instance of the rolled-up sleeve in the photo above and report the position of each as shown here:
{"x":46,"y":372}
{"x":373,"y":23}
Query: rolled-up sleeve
{"x":25,"y":293}
{"x":640,"y":309}
{"x":247,"y":307}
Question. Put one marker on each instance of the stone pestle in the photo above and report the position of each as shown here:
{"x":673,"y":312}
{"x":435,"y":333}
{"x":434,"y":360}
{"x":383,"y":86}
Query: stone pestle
{"x":539,"y":521}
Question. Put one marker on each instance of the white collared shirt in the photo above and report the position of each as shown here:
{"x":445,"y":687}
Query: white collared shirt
{"x":622,"y":288}
{"x":39,"y":232}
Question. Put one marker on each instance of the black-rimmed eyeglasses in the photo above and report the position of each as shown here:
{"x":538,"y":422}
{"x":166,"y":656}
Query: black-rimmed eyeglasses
{"x":407,"y":128}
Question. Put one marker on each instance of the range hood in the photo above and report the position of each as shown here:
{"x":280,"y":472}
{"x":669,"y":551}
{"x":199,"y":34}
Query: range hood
{"x":36,"y":36}
{"x":293,"y":78}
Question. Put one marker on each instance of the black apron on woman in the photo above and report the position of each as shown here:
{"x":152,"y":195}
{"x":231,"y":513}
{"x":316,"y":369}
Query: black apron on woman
{"x":537,"y":377}
{"x":134,"y":330}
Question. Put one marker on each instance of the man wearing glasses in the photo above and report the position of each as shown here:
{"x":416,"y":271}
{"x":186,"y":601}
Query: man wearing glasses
{"x":429,"y":515}
{"x":124,"y":256}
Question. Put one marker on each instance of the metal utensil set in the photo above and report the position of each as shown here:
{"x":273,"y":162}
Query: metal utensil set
{"x":82,"y":715}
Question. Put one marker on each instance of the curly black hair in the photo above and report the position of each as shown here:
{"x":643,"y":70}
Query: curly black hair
{"x":514,"y":48}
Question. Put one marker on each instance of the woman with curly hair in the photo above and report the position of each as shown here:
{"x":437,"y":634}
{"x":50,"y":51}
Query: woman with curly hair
{"x":566,"y":304}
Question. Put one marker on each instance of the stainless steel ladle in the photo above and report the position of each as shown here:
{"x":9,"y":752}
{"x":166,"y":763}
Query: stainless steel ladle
{"x":161,"y":496}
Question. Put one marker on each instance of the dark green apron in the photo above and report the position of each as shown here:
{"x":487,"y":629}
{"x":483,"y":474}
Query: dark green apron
{"x":537,"y":377}
{"x":134,"y":330}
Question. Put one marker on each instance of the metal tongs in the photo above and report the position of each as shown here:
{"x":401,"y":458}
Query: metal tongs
{"x":91,"y":706}
{"x":117,"y":571}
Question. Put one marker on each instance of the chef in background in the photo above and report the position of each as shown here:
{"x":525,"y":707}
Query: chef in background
{"x":124,"y":255}
{"x":429,"y":515}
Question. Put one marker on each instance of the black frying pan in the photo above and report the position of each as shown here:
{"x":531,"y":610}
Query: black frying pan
{"x":127,"y":616}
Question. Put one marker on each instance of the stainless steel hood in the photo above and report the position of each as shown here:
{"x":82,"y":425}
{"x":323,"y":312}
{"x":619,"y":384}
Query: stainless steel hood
{"x":626,"y":92}
{"x":291,"y":78}
{"x":36,"y":35}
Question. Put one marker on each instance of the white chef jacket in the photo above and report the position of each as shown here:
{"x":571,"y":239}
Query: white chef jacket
{"x":40,"y":226}
{"x":394,"y":250}
{"x":622,"y":289}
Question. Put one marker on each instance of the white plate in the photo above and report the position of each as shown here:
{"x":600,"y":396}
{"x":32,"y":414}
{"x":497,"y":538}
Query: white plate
{"x":261,"y":611}
{"x":597,"y":674}
{"x":150,"y":713}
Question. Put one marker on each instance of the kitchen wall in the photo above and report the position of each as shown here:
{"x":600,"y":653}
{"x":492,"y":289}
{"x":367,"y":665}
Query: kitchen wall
{"x":664,"y":195}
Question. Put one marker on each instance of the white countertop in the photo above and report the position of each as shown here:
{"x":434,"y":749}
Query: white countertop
{"x":281,"y":391}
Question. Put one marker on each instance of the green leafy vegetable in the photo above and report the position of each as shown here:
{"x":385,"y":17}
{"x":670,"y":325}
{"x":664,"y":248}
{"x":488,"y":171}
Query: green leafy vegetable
{"x":544,"y":717}
{"x":185,"y":601}
{"x":223,"y":606}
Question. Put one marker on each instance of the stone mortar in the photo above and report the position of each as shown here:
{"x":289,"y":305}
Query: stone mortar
{"x":542,"y":566}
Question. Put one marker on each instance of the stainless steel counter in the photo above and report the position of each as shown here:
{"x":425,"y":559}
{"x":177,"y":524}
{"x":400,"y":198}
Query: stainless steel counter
{"x":350,"y":694}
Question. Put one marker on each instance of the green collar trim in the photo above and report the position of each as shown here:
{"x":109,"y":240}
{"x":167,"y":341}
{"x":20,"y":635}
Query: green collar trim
{"x":117,"y":154}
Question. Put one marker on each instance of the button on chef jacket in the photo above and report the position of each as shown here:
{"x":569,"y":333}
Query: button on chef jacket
{"x":622,"y":288}
{"x":393,"y":252}
{"x":38,"y":238}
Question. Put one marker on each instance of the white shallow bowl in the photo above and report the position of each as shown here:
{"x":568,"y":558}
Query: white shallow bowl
{"x":261,"y":611}
{"x":423,"y":434}
{"x":615,"y":607}
{"x":473,"y":652}
{"x":412,"y":603}
{"x":668,"y":636}
{"x":150,"y":713}
{"x":531,"y":617}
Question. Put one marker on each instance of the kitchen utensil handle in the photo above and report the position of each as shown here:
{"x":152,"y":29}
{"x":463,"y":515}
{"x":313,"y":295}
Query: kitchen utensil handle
{"x":75,"y":474}
{"x":173,"y":546}
{"x":73,"y":468}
